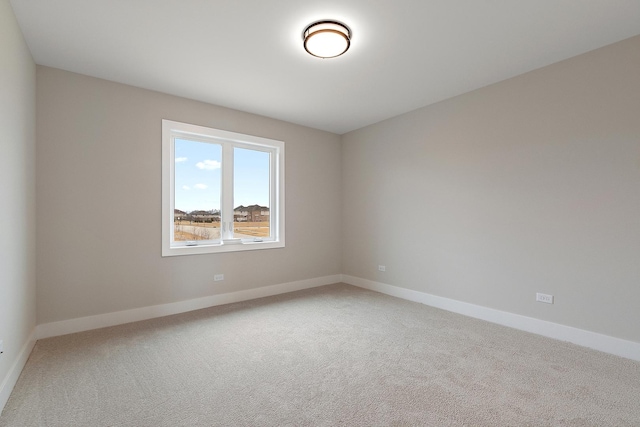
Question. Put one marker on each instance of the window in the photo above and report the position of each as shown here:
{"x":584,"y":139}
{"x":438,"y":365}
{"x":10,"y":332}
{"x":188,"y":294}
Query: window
{"x":221,"y":191}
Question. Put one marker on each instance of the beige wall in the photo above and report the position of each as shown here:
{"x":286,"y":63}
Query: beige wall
{"x":99,"y":195}
{"x":529,"y":185}
{"x":17,"y":190}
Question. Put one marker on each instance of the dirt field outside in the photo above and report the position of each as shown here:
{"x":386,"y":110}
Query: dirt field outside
{"x":185,"y":230}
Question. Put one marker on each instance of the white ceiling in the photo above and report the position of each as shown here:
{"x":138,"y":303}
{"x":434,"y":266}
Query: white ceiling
{"x":248,"y":54}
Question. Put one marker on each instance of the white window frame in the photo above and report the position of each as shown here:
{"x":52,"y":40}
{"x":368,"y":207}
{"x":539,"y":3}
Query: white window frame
{"x":228,"y":140}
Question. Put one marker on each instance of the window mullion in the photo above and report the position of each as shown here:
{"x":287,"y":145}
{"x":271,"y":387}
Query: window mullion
{"x":226,"y":212}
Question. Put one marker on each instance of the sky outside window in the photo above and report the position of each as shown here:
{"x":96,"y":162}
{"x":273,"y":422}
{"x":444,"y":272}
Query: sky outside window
{"x":198,"y":176}
{"x":250,"y":177}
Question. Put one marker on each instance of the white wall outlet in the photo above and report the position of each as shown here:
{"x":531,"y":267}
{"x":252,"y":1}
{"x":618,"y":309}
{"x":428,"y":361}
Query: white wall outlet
{"x":548,"y":299}
{"x":1,"y":347}
{"x":218,"y":277}
{"x":382,"y":268}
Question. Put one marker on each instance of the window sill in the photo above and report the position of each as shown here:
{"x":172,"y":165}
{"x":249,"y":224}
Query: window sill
{"x":219,"y":248}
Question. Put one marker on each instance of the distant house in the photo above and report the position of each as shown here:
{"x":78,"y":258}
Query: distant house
{"x":252,"y":213}
{"x":179,"y":215}
{"x":204,"y":216}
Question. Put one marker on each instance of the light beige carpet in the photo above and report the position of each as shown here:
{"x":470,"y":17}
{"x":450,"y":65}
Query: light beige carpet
{"x":335,"y":355}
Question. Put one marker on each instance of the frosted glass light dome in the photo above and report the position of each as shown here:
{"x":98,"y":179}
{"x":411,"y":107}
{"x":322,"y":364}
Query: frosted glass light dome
{"x":327,"y":39}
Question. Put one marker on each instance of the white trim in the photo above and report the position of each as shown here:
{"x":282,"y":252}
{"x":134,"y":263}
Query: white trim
{"x":594,"y":340}
{"x":6,"y":387}
{"x":226,"y":201}
{"x":70,"y":326}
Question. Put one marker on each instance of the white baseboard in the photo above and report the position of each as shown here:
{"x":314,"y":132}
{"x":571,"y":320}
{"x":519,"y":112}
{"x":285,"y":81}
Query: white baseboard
{"x":605,"y":343}
{"x":6,"y":387}
{"x":70,"y":326}
{"x":601,"y":342}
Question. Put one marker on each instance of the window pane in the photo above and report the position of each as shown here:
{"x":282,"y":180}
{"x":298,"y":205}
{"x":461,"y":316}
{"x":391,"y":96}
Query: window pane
{"x":251,"y":194}
{"x":197,"y":191}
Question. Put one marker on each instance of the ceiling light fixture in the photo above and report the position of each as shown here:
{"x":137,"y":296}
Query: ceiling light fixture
{"x":326,"y":39}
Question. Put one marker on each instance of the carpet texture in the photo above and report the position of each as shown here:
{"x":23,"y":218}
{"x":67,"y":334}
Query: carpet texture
{"x":335,"y":355}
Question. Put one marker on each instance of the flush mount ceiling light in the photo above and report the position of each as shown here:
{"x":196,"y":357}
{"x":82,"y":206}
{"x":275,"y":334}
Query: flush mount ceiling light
{"x":326,"y":39}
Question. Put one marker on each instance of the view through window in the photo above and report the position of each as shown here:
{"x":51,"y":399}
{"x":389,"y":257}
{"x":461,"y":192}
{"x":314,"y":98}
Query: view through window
{"x":196,"y":213}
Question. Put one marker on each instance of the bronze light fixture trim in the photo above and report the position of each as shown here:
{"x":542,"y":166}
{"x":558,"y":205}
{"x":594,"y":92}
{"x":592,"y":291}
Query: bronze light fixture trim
{"x":326,"y":39}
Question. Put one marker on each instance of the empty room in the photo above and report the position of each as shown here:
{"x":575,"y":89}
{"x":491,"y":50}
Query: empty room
{"x":267,"y":213}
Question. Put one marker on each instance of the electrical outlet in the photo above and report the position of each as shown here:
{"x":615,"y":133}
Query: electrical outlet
{"x":1,"y":347}
{"x":547,"y":299}
{"x":218,"y":277}
{"x":382,"y":268}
